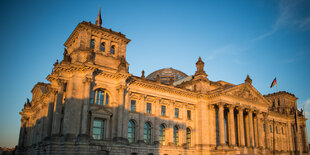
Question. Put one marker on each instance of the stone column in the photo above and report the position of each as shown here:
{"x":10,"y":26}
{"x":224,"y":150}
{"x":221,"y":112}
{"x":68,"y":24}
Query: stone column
{"x":84,"y":126}
{"x":221,"y":123}
{"x":260,"y":130}
{"x":232,"y":136}
{"x":267,"y":130}
{"x":126,"y":115}
{"x":156,"y":120}
{"x":250,"y":116}
{"x":58,"y":109}
{"x":120,"y":110}
{"x":212,"y":125}
{"x":141,"y":120}
{"x":241,"y":127}
{"x":51,"y":103}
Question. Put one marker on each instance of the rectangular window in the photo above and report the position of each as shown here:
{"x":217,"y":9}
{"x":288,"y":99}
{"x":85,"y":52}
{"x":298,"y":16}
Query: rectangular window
{"x":133,"y":105}
{"x":176,"y":112}
{"x":270,"y":128}
{"x":92,"y":43}
{"x":264,"y":127}
{"x":148,"y":108}
{"x":189,"y":117}
{"x":98,"y":128}
{"x":102,"y":47}
{"x":163,"y":110}
{"x":282,"y":130}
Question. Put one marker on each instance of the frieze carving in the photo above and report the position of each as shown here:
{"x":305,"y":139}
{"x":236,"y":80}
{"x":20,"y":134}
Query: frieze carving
{"x":244,"y":93}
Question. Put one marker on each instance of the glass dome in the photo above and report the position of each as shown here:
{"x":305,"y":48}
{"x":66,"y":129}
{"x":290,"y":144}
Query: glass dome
{"x":166,"y":74}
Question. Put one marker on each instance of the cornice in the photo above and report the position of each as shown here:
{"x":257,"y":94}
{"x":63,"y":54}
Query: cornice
{"x":98,"y":29}
{"x":281,"y":93}
{"x":162,"y":87}
{"x":73,"y":67}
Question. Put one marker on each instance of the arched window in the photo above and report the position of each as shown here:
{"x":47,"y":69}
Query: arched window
{"x":131,"y":131}
{"x":92,"y":43}
{"x":278,"y":102}
{"x":147,"y":133}
{"x":188,"y":137}
{"x":100,"y":97}
{"x":102,"y":46}
{"x":176,"y":135}
{"x":112,"y":49}
{"x":162,"y":130}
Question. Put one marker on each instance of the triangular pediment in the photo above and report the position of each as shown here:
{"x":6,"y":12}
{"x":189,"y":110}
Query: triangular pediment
{"x":247,"y":92}
{"x":38,"y":91}
{"x":101,"y":111}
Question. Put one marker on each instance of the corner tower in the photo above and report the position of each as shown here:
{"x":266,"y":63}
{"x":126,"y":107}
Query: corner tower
{"x":98,"y":45}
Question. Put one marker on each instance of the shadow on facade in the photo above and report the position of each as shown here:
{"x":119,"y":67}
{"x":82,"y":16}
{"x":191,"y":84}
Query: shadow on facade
{"x":64,"y":133}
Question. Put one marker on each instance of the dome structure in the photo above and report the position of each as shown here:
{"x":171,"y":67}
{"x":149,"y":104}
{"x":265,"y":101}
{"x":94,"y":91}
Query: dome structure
{"x":166,"y":74}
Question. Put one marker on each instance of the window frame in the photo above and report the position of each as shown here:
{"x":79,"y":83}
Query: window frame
{"x":176,"y":112}
{"x":188,"y":137}
{"x":176,"y":138}
{"x":189,"y":114}
{"x":102,"y":45}
{"x":147,"y":133}
{"x":133,"y":139}
{"x":112,"y":52}
{"x":163,"y":110}
{"x":133,"y":105}
{"x":148,"y":108}
{"x":102,"y":128}
{"x":103,"y":102}
{"x":162,"y":134}
{"x":92,"y":44}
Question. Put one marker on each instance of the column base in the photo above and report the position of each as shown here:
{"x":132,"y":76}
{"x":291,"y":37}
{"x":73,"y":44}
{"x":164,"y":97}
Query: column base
{"x":83,"y":138}
{"x":222,"y":147}
{"x":120,"y":140}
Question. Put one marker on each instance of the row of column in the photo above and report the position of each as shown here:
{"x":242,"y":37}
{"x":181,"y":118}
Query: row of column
{"x":253,"y":135}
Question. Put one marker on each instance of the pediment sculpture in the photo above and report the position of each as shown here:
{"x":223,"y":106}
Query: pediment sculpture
{"x":245,"y":93}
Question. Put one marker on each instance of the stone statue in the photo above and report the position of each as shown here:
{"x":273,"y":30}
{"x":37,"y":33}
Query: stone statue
{"x":248,"y":79}
{"x":200,"y":65}
{"x":142,"y":76}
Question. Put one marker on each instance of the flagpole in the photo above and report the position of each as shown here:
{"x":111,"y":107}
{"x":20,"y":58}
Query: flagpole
{"x":306,"y":130}
{"x":277,"y":87}
{"x":273,"y":138}
{"x":297,"y":132}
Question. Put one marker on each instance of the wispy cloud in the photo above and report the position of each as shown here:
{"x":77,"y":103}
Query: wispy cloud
{"x":220,"y":51}
{"x":225,"y":50}
{"x":288,"y":15}
{"x":307,"y":102}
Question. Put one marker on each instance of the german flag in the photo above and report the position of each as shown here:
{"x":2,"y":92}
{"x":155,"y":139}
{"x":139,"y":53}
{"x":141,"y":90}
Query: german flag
{"x":99,"y":20}
{"x":274,"y":82}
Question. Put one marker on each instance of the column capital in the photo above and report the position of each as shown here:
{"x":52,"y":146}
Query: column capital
{"x":231,"y":106}
{"x":61,"y":81}
{"x":87,"y":80}
{"x":249,"y":110}
{"x":221,"y":104}
{"x":240,"y":108}
{"x":211,"y":106}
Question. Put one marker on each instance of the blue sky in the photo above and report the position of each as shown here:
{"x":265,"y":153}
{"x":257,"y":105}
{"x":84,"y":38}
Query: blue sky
{"x":262,"y":38}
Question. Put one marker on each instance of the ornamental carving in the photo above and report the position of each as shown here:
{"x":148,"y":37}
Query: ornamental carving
{"x":245,"y":93}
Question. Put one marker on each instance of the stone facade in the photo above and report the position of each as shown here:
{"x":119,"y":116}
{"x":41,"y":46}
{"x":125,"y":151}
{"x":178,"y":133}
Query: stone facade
{"x":93,"y":105}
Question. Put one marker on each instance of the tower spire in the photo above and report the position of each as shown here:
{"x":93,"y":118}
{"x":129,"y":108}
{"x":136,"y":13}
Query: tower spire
{"x":98,"y":20}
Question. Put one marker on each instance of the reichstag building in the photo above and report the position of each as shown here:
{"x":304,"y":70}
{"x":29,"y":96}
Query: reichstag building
{"x":93,"y":105}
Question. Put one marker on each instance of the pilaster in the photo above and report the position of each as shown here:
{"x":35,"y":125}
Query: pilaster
{"x":241,"y":127}
{"x":232,"y":137}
